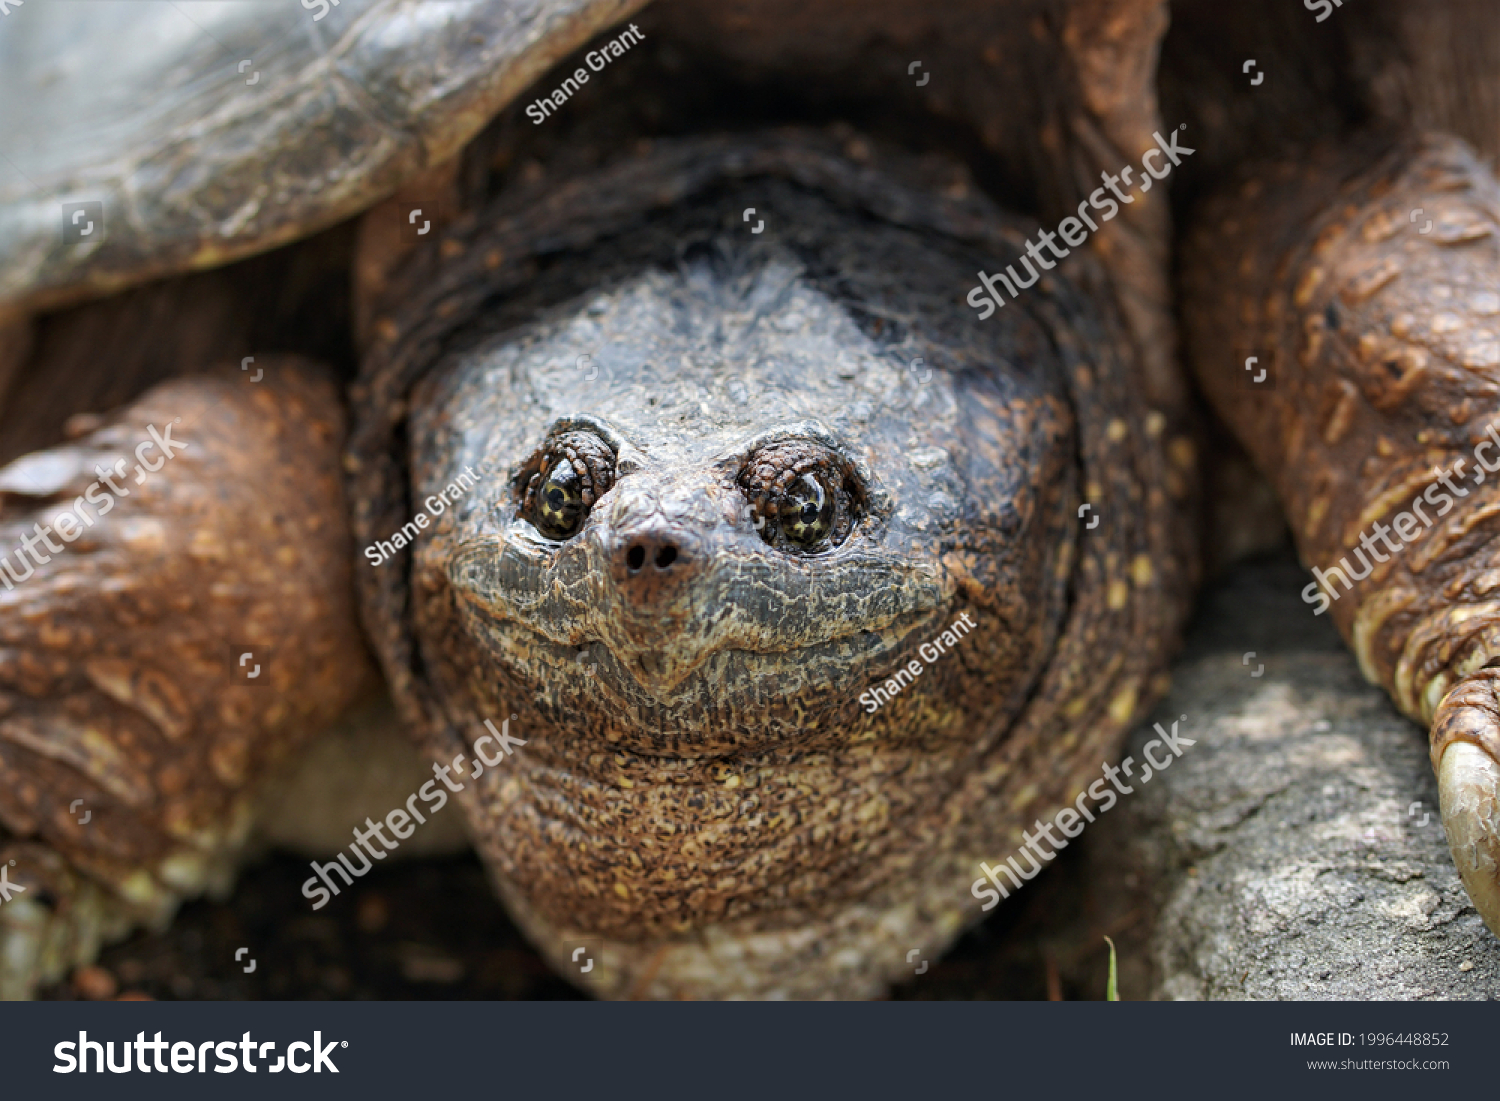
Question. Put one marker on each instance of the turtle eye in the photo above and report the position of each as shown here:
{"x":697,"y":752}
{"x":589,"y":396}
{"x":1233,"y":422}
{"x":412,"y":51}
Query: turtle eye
{"x":563,"y":481}
{"x":803,"y":497}
{"x":559,"y":505}
{"x":806,"y":511}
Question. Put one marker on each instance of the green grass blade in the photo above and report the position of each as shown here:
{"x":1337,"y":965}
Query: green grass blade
{"x":1112,"y":991}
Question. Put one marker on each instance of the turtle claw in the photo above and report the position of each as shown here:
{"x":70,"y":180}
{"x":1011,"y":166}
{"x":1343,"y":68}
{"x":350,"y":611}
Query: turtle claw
{"x":1469,"y":793}
{"x":52,"y":920}
{"x":1465,"y":743}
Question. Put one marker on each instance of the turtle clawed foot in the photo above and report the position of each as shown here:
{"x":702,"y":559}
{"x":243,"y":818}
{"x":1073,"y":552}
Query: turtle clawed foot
{"x":51,"y":918}
{"x":1469,"y":791}
{"x":1466,"y":754}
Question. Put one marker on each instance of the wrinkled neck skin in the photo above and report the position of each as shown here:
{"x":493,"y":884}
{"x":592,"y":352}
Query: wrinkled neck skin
{"x":699,"y":765}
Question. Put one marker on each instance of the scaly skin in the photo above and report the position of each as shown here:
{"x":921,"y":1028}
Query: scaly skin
{"x":117,"y":682}
{"x":1381,"y":335}
{"x":712,"y":810}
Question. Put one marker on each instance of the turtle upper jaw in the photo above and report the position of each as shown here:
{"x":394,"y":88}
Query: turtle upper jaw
{"x":686,"y":601}
{"x":744,"y":660}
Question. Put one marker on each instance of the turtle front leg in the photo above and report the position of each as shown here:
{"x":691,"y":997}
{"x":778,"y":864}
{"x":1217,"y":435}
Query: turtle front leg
{"x":176,"y":616}
{"x":1343,"y":313}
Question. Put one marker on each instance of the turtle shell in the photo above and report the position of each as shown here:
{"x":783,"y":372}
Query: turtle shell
{"x":159,"y":139}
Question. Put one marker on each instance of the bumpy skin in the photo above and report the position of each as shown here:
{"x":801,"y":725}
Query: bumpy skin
{"x":1381,"y":338}
{"x":117,"y":672}
{"x":702,"y":801}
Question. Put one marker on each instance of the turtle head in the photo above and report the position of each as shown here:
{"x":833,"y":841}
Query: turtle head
{"x":701,"y":592}
{"x":687,"y":567}
{"x":720,"y":508}
{"x":769,"y":550}
{"x":733,"y":544}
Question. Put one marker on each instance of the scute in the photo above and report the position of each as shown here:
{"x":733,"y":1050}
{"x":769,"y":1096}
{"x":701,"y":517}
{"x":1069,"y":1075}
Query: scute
{"x":144,"y":109}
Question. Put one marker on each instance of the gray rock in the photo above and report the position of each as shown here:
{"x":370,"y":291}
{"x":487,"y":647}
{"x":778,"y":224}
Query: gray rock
{"x":1295,"y":851}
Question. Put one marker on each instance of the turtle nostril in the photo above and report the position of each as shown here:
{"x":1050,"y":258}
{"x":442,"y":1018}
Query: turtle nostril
{"x":662,"y":552}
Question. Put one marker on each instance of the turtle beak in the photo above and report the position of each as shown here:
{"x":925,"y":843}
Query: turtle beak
{"x":1465,"y":740}
{"x":656,"y":549}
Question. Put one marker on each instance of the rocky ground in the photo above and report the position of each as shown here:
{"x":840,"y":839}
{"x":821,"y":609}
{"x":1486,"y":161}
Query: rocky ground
{"x":1293,"y":851}
{"x":1296,"y":851}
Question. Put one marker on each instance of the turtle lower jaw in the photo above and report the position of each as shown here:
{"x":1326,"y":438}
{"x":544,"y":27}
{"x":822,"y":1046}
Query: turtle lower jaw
{"x":663,"y":675}
{"x":720,"y":702}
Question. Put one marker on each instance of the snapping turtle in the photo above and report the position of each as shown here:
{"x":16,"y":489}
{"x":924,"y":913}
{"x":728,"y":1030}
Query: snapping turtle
{"x":757,"y":528}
